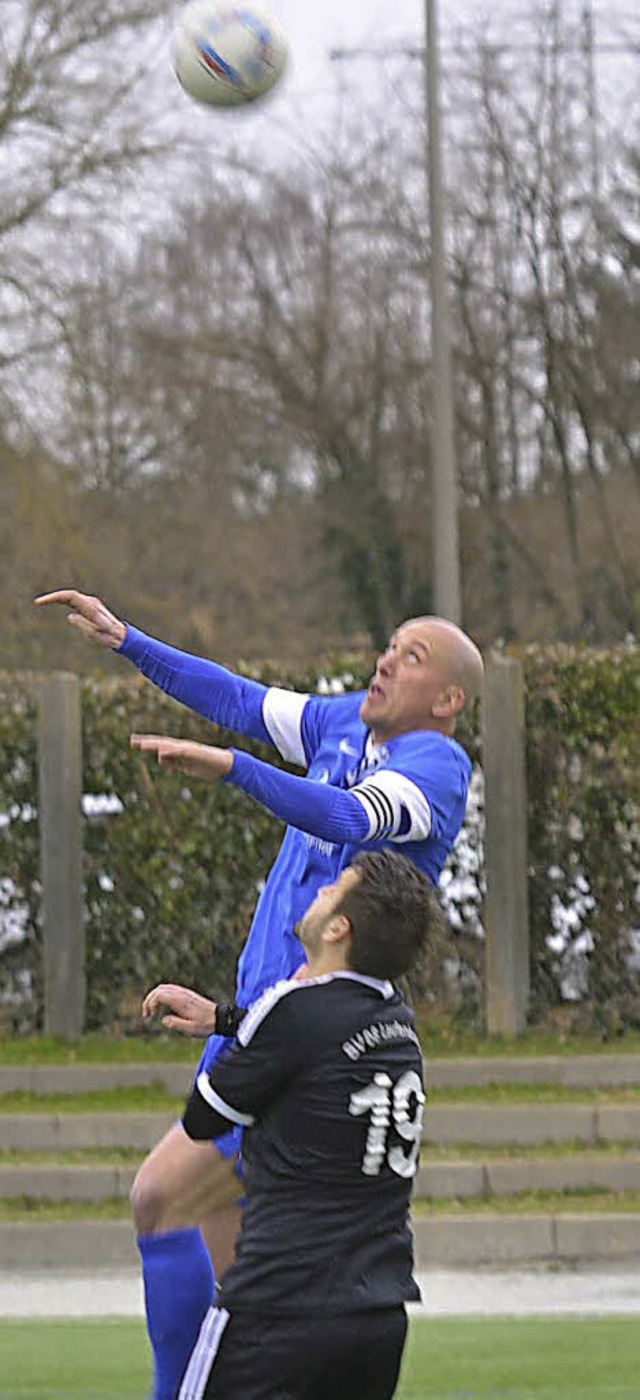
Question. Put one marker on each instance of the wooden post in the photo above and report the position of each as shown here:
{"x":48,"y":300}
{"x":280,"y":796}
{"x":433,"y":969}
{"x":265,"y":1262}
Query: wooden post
{"x":60,"y":784}
{"x":506,"y":910}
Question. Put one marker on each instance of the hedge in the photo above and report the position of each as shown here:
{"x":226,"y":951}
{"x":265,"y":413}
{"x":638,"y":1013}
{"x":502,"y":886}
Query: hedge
{"x":173,"y":867}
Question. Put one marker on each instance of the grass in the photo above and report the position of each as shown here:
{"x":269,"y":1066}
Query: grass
{"x":14,"y":1209}
{"x":446,"y":1359}
{"x":510,"y":1152}
{"x":98,"y":1050}
{"x":154,"y":1098}
{"x":77,"y":1157}
{"x":434,"y":1153}
{"x":445,"y":1039}
{"x":582,"y":1202}
{"x":26,"y":1210}
{"x":522,"y":1359}
{"x":151,"y":1098}
{"x":440,"y":1039}
{"x":531,"y":1093}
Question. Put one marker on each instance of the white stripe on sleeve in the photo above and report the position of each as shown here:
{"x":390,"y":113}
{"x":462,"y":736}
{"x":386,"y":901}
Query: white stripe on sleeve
{"x":203,"y":1085}
{"x":261,"y":1008}
{"x":386,"y":796}
{"x":265,"y":1003}
{"x":282,"y":715}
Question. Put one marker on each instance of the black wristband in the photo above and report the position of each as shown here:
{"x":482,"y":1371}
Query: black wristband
{"x":229,"y":1019}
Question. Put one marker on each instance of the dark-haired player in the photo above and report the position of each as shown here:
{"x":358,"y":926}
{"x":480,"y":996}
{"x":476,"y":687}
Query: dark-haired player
{"x":326,"y":1081}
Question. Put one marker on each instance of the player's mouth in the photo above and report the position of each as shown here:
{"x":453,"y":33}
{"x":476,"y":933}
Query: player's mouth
{"x":375,"y":691}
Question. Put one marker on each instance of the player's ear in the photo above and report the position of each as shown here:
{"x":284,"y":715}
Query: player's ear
{"x":449,"y":702}
{"x":338,"y":928}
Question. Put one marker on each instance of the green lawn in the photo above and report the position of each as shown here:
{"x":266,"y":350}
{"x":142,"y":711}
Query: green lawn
{"x":153,"y":1098}
{"x":447,"y":1359}
{"x":523,"y":1359}
{"x":14,"y":1209}
{"x":93,"y":1049}
{"x":440,"y":1038}
{"x":150,"y":1098}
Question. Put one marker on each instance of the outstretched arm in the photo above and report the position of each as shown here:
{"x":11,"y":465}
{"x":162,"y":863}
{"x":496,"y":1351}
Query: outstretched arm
{"x":385,"y":805}
{"x":231,"y":701}
{"x":317,"y":808}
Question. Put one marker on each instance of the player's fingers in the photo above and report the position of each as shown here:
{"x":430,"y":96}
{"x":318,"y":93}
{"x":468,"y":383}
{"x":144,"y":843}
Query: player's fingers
{"x":170,"y":758}
{"x":158,"y":1008}
{"x":159,"y":996}
{"x":83,"y":625}
{"x":59,"y":595}
{"x":85,"y":603}
{"x":150,"y":1006}
{"x":168,"y":990}
{"x":147,"y":743}
{"x":178,"y":1023}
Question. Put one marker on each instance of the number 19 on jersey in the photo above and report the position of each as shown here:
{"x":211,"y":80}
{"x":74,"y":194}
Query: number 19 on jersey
{"x":398,"y":1107}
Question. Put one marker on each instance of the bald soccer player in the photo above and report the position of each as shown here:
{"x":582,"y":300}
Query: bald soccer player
{"x":382,"y":768}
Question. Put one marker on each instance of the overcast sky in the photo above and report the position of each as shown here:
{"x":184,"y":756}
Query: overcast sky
{"x":314,"y":29}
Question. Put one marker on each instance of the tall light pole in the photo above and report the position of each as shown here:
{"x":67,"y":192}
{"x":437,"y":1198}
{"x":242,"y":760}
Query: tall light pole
{"x":445,"y":548}
{"x":445,"y":566}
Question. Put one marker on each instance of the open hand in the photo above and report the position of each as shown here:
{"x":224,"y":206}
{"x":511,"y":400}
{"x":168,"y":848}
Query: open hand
{"x":185,"y":756}
{"x":89,"y":616}
{"x":188,"y":1012}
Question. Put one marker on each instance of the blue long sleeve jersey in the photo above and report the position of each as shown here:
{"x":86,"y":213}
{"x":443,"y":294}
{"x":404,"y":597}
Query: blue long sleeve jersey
{"x":411,"y":791}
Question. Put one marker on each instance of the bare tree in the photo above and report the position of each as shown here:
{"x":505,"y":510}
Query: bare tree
{"x":261,"y":365}
{"x":283,"y":350}
{"x":529,"y":253}
{"x":77,"y":121}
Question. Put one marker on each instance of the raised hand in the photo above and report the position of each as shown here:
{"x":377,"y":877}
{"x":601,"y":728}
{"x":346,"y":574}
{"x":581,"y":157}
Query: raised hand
{"x":185,"y":756}
{"x":89,"y":616}
{"x":187,"y":1012}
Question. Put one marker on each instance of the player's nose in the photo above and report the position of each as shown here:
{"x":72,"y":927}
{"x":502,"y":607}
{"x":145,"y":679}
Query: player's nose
{"x":384,"y":664}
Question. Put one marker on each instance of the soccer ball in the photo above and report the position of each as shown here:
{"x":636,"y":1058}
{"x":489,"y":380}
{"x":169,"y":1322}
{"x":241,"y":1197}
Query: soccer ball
{"x":227,"y":54}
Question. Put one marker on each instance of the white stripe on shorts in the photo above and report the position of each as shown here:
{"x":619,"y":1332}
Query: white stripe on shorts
{"x":203,"y":1355}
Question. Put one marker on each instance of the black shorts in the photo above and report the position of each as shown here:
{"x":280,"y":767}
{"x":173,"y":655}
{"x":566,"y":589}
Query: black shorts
{"x":355,"y":1356}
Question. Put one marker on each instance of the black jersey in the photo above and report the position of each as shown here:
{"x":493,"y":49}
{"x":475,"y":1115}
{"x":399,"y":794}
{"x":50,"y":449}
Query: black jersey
{"x":327,"y":1081}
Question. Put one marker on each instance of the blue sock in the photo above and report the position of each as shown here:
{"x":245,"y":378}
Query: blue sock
{"x":178,"y":1289}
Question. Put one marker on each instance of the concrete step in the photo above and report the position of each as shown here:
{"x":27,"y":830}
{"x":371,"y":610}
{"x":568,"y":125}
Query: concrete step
{"x":495,"y":1125}
{"x":570,"y":1071}
{"x":544,"y":1240}
{"x":65,"y":1132}
{"x":583,"y":1172}
{"x":485,"y":1125}
{"x":83,"y":1079}
{"x":58,"y":1181}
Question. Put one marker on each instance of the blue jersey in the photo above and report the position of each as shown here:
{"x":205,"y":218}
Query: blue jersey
{"x":413,"y":790}
{"x":410,"y":791}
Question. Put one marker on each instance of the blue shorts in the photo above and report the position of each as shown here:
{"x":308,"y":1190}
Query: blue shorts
{"x":229,"y":1144}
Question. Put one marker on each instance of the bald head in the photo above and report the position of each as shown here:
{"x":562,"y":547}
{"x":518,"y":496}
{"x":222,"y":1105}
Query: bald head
{"x":430,"y":670}
{"x":458,"y":654}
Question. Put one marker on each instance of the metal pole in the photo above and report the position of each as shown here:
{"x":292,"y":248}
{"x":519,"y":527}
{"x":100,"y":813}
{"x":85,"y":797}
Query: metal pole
{"x":60,"y":796}
{"x":445,"y":545}
{"x":505,"y":848}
